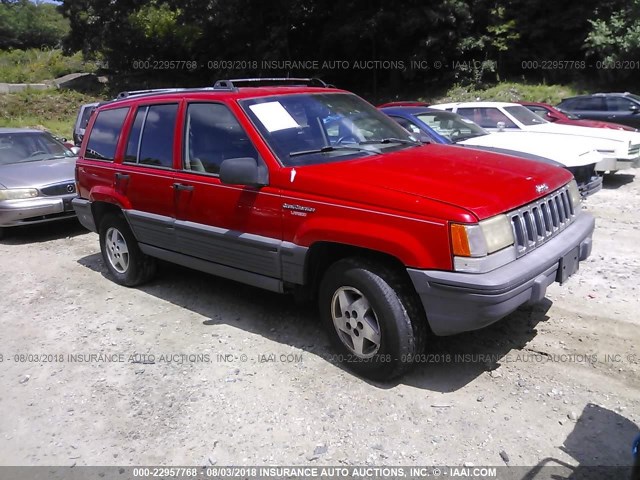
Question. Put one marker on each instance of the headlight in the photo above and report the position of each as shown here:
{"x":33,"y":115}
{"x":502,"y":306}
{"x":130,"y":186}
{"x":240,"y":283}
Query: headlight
{"x":483,"y":238}
{"x":18,"y":193}
{"x":574,"y":195}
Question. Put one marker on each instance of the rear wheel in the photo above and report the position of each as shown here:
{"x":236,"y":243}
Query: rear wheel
{"x":122,"y":255}
{"x":373,"y":317}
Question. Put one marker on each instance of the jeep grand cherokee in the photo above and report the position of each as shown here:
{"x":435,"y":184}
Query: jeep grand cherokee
{"x":298,"y":187}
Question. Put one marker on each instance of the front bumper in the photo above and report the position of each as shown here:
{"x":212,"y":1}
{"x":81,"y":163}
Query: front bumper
{"x":35,"y":210}
{"x":460,"y":302}
{"x":85,"y":213}
{"x":591,"y":187}
{"x":614,"y":164}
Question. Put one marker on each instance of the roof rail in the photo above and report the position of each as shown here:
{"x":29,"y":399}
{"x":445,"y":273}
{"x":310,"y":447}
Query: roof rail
{"x":234,"y":84}
{"x":133,"y":93}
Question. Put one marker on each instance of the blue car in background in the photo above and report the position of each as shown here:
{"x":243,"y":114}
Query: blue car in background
{"x":454,"y":129}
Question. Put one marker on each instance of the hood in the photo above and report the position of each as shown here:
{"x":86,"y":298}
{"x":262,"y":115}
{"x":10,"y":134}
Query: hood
{"x":413,"y":179}
{"x":569,"y":151}
{"x":600,"y":133}
{"x":38,"y":173}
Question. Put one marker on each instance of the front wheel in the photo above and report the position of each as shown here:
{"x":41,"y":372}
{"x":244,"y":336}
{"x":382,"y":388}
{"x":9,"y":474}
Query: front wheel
{"x":373,"y":317}
{"x":122,"y":255}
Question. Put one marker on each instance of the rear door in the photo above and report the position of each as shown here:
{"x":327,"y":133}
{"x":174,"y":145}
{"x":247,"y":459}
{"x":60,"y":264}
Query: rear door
{"x":146,"y":175}
{"x":594,"y":108}
{"x":232,"y":225}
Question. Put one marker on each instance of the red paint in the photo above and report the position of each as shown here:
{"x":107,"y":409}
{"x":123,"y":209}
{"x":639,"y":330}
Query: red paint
{"x":399,"y":203}
{"x":556,"y":116}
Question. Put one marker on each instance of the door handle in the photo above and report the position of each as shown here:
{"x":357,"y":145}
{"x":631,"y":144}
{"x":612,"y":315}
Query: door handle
{"x":122,"y":176}
{"x":183,"y":187}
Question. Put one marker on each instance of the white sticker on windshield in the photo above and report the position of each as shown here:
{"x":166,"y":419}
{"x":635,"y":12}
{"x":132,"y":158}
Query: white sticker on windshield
{"x":273,"y":116}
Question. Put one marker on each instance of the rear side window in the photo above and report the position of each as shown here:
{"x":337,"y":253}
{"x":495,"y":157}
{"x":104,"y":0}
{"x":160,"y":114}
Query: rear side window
{"x":103,"y":138}
{"x":152,"y":136}
{"x":589,"y":103}
{"x":212,"y":136}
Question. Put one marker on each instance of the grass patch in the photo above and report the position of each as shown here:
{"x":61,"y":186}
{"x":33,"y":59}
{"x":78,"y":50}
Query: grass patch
{"x":509,"y":92}
{"x":34,"y":65}
{"x":53,"y":110}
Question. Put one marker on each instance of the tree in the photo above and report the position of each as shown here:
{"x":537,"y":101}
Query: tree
{"x":614,"y":42}
{"x":25,"y":24}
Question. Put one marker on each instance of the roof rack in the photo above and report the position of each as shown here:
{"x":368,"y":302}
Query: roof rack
{"x":234,"y":84}
{"x":133,"y":93}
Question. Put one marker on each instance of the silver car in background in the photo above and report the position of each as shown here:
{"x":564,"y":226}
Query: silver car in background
{"x":37,"y":178}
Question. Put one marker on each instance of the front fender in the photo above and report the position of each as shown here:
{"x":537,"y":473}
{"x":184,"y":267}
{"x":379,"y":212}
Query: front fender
{"x":413,"y":242}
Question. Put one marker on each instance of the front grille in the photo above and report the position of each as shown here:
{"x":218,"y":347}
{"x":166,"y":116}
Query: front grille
{"x":583,"y":174}
{"x":66,"y":188}
{"x":537,"y":222}
{"x":634,"y":150}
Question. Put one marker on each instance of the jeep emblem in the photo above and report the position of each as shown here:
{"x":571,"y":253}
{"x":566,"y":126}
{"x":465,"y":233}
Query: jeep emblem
{"x":543,"y":187}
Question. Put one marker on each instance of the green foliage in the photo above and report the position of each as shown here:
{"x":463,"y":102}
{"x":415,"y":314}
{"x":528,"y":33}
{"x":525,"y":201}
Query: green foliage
{"x":26,"y":24}
{"x":498,"y":35}
{"x":509,"y":92}
{"x":54,"y":110}
{"x":617,"y":37}
{"x":34,"y":65}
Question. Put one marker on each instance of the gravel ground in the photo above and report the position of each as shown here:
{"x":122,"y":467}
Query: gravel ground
{"x":195,"y":370}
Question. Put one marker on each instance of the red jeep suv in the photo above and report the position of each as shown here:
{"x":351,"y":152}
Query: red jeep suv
{"x":294,"y":186}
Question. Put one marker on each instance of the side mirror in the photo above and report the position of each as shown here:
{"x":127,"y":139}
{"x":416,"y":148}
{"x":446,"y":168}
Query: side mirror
{"x":75,"y":150}
{"x":634,"y":108}
{"x":244,"y":171}
{"x":500,"y":126}
{"x":551,"y":117}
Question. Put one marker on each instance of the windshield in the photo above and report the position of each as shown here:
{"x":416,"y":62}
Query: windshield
{"x":307,"y":129}
{"x":451,"y":125}
{"x":524,"y":115}
{"x":29,"y":147}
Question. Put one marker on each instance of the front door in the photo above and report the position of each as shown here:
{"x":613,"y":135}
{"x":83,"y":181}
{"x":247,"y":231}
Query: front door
{"x":231,"y":225}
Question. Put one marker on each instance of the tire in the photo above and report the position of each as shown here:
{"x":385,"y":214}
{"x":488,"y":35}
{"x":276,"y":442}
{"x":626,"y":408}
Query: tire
{"x":374,"y":318}
{"x":125,"y":261}
{"x":3,"y":233}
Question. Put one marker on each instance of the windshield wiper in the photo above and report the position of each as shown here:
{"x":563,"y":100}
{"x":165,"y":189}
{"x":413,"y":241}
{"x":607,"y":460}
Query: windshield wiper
{"x":327,"y":149}
{"x":391,"y":140}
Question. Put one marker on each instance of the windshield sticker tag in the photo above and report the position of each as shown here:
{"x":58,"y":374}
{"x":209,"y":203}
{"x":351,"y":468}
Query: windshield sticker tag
{"x":274,"y":116}
{"x":293,"y":174}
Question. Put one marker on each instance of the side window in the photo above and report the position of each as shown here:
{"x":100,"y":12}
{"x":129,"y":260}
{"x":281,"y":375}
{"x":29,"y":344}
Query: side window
{"x":155,"y":131}
{"x":407,"y":125}
{"x":618,"y":104}
{"x":491,"y":117}
{"x":133,"y":145}
{"x":590,"y":103}
{"x":538,"y":110}
{"x":103,"y":138}
{"x":412,"y":128}
{"x":212,"y":135}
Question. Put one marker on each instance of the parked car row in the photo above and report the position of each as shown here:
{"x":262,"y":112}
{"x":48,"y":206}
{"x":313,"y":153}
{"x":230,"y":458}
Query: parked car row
{"x":294,"y":186}
{"x":431,"y":125}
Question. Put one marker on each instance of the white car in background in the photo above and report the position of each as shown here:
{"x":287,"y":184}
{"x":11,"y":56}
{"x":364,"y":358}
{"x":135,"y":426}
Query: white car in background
{"x":438,"y":126}
{"x":621,"y":149}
